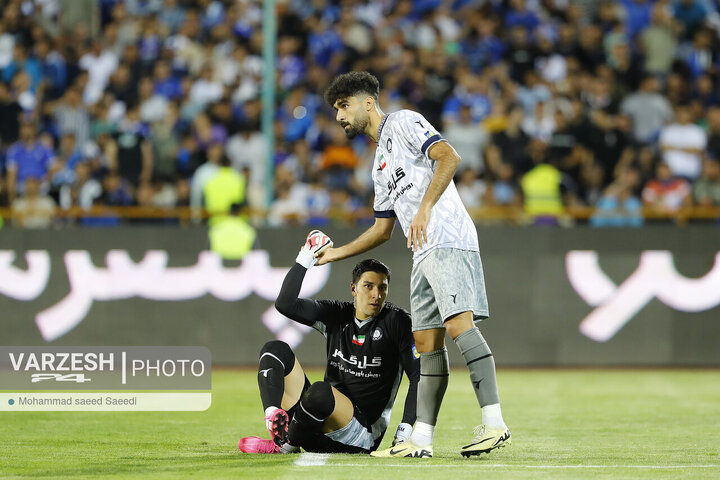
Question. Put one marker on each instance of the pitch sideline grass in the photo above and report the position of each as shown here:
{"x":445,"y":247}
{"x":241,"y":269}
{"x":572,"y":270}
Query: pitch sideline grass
{"x":565,"y":424}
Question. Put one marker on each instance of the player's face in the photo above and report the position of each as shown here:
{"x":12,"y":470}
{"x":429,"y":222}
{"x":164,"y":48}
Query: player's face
{"x":370,"y":293}
{"x":351,"y":116}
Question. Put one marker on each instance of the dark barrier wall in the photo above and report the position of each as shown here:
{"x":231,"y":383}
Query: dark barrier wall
{"x":557,"y":296}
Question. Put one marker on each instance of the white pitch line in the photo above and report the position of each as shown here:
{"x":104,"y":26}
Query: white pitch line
{"x":312,"y":459}
{"x":469,"y":464}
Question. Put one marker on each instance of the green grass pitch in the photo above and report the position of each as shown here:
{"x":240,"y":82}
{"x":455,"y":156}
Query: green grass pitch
{"x":565,"y":424}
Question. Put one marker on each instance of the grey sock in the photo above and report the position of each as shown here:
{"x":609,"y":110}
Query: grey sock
{"x":481,"y":364}
{"x":434,"y":372}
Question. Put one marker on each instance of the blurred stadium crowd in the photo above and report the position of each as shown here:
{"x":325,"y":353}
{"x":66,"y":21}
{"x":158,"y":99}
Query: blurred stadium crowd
{"x":550,"y":103}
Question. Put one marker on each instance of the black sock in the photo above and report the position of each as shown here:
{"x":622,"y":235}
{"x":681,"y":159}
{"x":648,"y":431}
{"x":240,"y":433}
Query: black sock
{"x":276,"y":361}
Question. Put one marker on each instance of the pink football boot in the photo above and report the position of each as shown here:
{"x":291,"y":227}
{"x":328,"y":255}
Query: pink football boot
{"x":257,"y":445}
{"x":277,"y":424}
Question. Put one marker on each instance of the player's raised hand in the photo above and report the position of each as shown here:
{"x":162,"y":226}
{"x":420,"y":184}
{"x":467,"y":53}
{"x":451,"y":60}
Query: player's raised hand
{"x":418,"y":230}
{"x":316,"y":244}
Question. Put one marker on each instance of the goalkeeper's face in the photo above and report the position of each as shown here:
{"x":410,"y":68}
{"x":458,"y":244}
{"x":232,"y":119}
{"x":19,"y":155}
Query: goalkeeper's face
{"x":370,"y":293}
{"x":351,"y":116}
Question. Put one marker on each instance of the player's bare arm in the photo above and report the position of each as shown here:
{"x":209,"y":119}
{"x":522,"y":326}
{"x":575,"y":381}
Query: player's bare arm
{"x":447,"y":161}
{"x":379,"y":233}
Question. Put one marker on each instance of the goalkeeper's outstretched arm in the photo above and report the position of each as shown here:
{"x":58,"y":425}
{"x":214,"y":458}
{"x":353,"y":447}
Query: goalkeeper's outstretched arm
{"x":288,"y":303}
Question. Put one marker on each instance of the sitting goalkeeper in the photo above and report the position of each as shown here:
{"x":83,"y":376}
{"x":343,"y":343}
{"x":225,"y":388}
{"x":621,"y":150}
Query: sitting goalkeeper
{"x":369,"y":345}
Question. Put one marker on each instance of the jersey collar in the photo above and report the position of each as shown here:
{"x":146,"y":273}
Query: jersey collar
{"x":361,"y":324}
{"x":382,"y":124}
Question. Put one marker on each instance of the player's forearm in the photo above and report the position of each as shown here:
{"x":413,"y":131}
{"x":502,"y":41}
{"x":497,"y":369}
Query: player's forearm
{"x":288,"y":302}
{"x":370,"y":239}
{"x":446,"y":165}
{"x":410,"y":412}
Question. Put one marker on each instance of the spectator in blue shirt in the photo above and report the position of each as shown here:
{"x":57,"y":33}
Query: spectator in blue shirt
{"x":691,"y":13}
{"x":68,"y":157}
{"x":166,"y":84}
{"x":22,"y":62}
{"x":638,"y":15}
{"x":471,"y":91}
{"x":521,"y":15}
{"x":482,"y":47}
{"x":324,"y":43}
{"x":54,"y":69}
{"x":26,"y":158}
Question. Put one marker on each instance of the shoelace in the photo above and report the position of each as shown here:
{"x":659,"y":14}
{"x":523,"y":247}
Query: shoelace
{"x":479,"y":431}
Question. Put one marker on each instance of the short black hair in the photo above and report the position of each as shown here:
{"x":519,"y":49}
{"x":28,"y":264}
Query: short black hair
{"x":369,"y":265}
{"x":351,"y":84}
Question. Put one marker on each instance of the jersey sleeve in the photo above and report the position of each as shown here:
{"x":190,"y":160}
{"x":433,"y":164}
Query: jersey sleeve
{"x":418,"y":133}
{"x":313,"y":313}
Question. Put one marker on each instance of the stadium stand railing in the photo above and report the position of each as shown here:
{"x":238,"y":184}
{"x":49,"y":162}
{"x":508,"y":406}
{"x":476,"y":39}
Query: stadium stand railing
{"x":513,"y":215}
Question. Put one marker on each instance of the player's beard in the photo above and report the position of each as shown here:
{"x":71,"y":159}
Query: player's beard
{"x":357,"y":127}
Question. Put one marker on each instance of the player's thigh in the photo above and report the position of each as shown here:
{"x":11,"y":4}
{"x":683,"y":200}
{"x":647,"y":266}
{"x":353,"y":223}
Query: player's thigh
{"x":423,"y":307}
{"x":352,"y":438}
{"x":294,"y":386}
{"x":341,"y":415}
{"x":457,"y":281}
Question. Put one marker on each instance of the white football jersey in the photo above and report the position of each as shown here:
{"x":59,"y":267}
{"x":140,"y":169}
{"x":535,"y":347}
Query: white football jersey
{"x":402,"y":172}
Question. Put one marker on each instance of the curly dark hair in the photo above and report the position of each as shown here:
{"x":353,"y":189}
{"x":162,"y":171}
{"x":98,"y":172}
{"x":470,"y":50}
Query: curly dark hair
{"x":351,"y":84}
{"x":369,"y":265}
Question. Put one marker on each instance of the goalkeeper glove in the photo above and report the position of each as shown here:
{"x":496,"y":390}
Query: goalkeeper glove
{"x":402,"y":434}
{"x":315,"y":244}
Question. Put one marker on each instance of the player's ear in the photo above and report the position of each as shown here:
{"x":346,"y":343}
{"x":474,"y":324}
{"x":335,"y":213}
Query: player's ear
{"x":369,"y":103}
{"x":352,"y":290}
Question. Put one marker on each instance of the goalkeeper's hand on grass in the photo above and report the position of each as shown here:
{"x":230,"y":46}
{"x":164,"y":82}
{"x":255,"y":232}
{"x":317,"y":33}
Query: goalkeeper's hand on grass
{"x":315,"y":244}
{"x":402,"y":434}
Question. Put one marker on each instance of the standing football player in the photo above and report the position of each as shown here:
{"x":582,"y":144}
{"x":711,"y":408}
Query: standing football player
{"x":412,"y":175}
{"x":369,"y":345}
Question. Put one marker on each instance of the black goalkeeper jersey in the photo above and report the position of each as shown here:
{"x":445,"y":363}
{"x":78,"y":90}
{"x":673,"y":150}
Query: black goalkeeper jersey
{"x":365,"y":362}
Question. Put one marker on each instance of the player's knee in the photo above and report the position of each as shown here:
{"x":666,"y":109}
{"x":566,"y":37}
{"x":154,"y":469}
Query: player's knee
{"x":459,"y":324}
{"x":279,"y":351}
{"x":429,"y":340}
{"x":319,"y":400}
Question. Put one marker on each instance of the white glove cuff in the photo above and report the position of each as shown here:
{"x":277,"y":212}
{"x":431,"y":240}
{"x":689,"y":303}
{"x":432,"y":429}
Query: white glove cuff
{"x":305,"y":258}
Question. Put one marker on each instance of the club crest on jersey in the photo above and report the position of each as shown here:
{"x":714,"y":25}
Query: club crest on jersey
{"x":358,"y":339}
{"x":377,"y":334}
{"x":388,"y":145}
